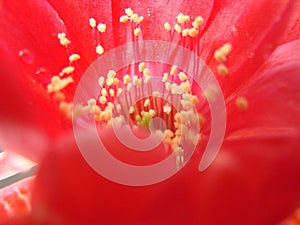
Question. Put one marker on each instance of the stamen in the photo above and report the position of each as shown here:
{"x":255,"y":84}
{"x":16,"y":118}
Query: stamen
{"x":137,"y":31}
{"x":74,"y":57}
{"x":99,"y":49}
{"x":167,"y":26}
{"x":101,"y":27}
{"x":92,"y":22}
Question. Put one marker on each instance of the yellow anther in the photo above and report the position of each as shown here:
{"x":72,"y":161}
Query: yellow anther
{"x":116,"y":81}
{"x":222,"y":70}
{"x":112,"y":92}
{"x":147,"y":79}
{"x":126,"y":79}
{"x":134,"y":17}
{"x":119,"y":91}
{"x":211,"y":93}
{"x":221,"y":53}
{"x":101,"y":81}
{"x":242,"y":103}
{"x":104,"y":92}
{"x":128,"y":11}
{"x":147,"y":102}
{"x":99,"y":49}
{"x":165,"y":77}
{"x":185,"y":32}
{"x":101,"y":27}
{"x":177,"y":118}
{"x":61,"y":35}
{"x":226,"y":48}
{"x":64,"y":41}
{"x":186,"y":86}
{"x":140,"y":19}
{"x":182,"y":76}
{"x":177,"y":28}
{"x":91,"y":102}
{"x":124,"y":19}
{"x":155,"y":94}
{"x":146,"y":72}
{"x":168,"y":86}
{"x":167,"y":26}
{"x":197,"y":22}
{"x":167,"y":109}
{"x":181,"y":18}
{"x":110,"y":81}
{"x":131,"y":110}
{"x":102,"y":100}
{"x":92,"y":22}
{"x":152,"y":112}
{"x":142,"y":66}
{"x":137,"y":31}
{"x":173,"y":70}
{"x":55,"y":80}
{"x":129,"y":87}
{"x":74,"y":57}
{"x":111,"y":74}
{"x":193,"y":32}
{"x":68,"y":70}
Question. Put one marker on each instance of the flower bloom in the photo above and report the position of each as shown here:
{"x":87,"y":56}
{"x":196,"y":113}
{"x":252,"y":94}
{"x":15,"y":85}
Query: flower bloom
{"x":252,"y":48}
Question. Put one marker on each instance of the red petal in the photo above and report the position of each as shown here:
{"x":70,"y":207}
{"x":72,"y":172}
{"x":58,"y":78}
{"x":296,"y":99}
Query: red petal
{"x":273,"y":94}
{"x":254,"y":29}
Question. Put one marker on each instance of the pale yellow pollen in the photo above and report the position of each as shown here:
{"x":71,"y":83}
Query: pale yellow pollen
{"x":182,"y":76}
{"x":68,"y":70}
{"x":147,"y":79}
{"x":221,"y":53}
{"x":168,"y":86}
{"x":104,"y":92}
{"x":173,"y":70}
{"x":110,"y":81}
{"x":168,"y":133}
{"x":99,"y":49}
{"x":177,"y":28}
{"x":92,"y":22}
{"x":155,"y":94}
{"x":167,"y":26}
{"x":112,"y":92}
{"x":193,"y":32}
{"x":165,"y":77}
{"x":242,"y":103}
{"x":222,"y":70}
{"x":181,"y":18}
{"x":61,"y":35}
{"x":91,"y":102}
{"x":147,"y":102}
{"x":126,"y":79}
{"x":146,"y":72}
{"x":142,"y":66}
{"x":152,"y":112}
{"x":186,"y":86}
{"x":140,"y":19}
{"x":102,"y":99}
{"x":197,"y":22}
{"x":64,"y":42}
{"x":58,"y":84}
{"x":101,"y":27}
{"x":129,"y":87}
{"x":101,"y":81}
{"x":137,"y":31}
{"x":119,"y":91}
{"x":185,"y":32}
{"x":111,"y":74}
{"x":134,"y":17}
{"x":66,"y":108}
{"x":124,"y":19}
{"x":74,"y":57}
{"x":167,"y":109}
{"x":131,"y":110}
{"x":128,"y":11}
{"x":116,"y":81}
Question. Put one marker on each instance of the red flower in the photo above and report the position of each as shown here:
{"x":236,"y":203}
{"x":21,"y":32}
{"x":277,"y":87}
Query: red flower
{"x":254,"y":179}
